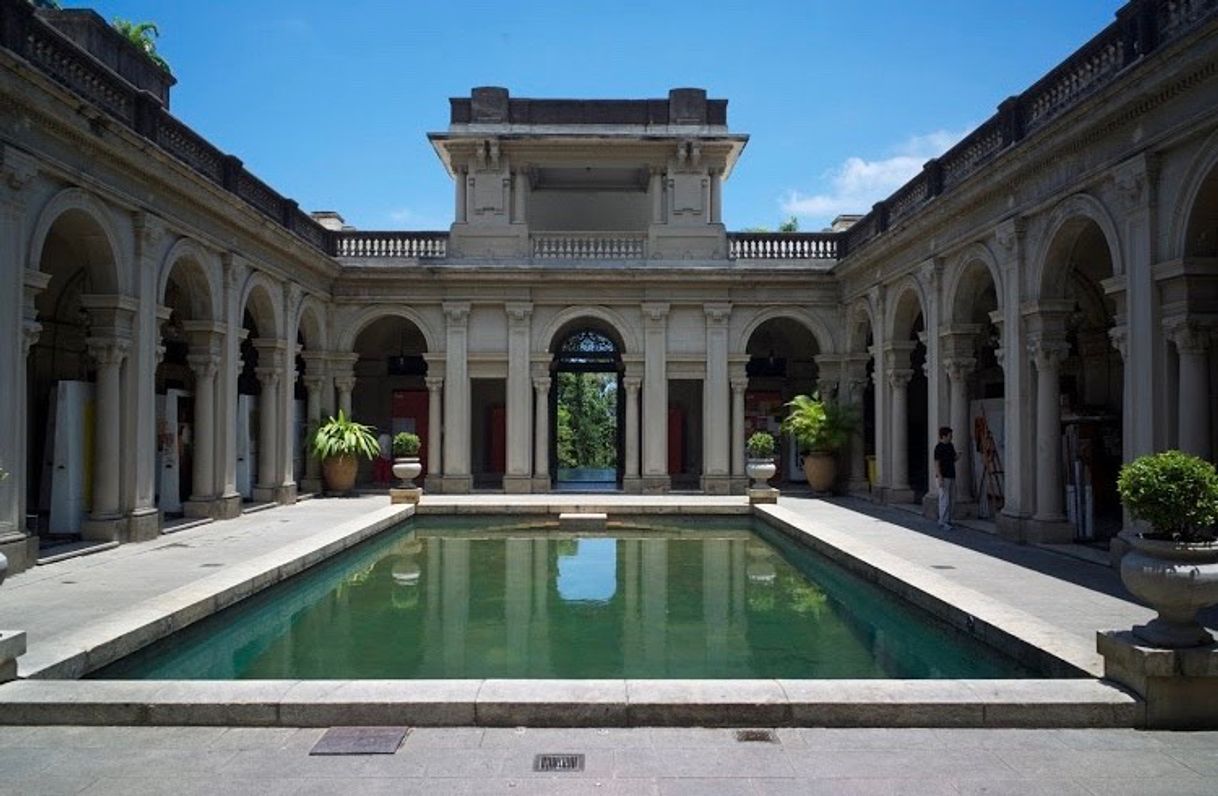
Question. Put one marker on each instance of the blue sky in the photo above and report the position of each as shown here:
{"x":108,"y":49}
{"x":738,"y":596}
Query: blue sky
{"x":329,"y":102}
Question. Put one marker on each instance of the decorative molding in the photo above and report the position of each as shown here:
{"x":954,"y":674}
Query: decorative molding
{"x":655,"y":311}
{"x":1010,"y":232}
{"x":518,"y":312}
{"x":456,"y":313}
{"x":717,"y":314}
{"x":17,"y":169}
{"x":1047,"y":353}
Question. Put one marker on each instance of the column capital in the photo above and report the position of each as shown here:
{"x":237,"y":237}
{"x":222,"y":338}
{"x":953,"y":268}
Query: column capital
{"x":740,"y":384}
{"x":30,"y":332}
{"x":17,"y":169}
{"x":1047,"y":353}
{"x":1190,"y":337}
{"x":899,"y":378}
{"x":344,"y":383}
{"x":456,"y":313}
{"x":518,"y":312}
{"x":826,"y":388}
{"x":316,"y":363}
{"x":717,"y":313}
{"x":1009,"y":233}
{"x":958,"y":368}
{"x":314,"y":382}
{"x":109,"y":315}
{"x":632,"y":383}
{"x":655,"y":312}
{"x":205,"y":364}
{"x":342,"y":364}
{"x":541,"y":383}
{"x":267,"y":376}
{"x":897,"y":355}
{"x":434,"y":383}
{"x":108,"y":351}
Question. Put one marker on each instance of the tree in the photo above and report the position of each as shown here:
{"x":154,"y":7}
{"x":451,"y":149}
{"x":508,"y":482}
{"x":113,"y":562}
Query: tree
{"x":143,"y":35}
{"x":587,"y":420}
{"x":790,"y":225}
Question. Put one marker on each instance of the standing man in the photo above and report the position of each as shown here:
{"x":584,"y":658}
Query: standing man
{"x":945,"y":474}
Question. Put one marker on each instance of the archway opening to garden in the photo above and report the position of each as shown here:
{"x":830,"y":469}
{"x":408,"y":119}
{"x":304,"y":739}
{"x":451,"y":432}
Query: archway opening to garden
{"x":782,"y":364}
{"x":586,"y":409}
{"x":390,"y":390}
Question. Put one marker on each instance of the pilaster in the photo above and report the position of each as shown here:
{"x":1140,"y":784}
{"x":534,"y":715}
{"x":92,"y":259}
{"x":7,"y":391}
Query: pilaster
{"x":517,"y":478}
{"x":716,"y":418}
{"x":655,"y":397}
{"x":457,"y":478}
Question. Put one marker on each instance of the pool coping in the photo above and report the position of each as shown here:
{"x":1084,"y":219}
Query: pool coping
{"x":1077,"y":702}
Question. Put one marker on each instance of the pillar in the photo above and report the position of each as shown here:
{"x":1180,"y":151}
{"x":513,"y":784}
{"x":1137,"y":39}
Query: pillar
{"x":435,"y":395}
{"x":631,"y":482}
{"x":655,"y":397}
{"x":541,"y":429}
{"x":716,"y":442}
{"x":144,"y":517}
{"x":739,"y":477}
{"x":854,"y":380}
{"x":226,"y":387}
{"x":108,"y":353}
{"x":1192,"y":344}
{"x":268,"y":378}
{"x":898,"y":382}
{"x":1048,"y":354}
{"x":457,"y":476}
{"x":314,"y":385}
{"x":519,"y":399}
{"x":958,"y":370}
{"x":205,"y":364}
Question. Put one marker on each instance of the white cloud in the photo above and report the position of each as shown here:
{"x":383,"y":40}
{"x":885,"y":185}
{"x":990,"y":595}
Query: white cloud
{"x":858,"y":183}
{"x":405,"y":218}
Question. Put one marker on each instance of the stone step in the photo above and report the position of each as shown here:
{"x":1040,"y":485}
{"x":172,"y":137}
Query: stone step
{"x":580,"y":522}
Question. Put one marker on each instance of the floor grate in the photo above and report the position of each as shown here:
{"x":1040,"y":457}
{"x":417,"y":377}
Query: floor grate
{"x":756,"y":736}
{"x":360,"y":741}
{"x":558,"y":762}
{"x":941,"y":566}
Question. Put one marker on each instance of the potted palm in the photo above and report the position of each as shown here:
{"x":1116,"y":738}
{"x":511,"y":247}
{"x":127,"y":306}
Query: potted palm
{"x":820,"y":429}
{"x":338,"y":443}
{"x":1173,"y":565}
{"x":760,"y":465}
{"x":406,"y":464}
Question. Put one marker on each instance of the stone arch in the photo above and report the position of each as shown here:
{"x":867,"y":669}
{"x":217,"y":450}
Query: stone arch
{"x":546,"y":338}
{"x":259,"y":297}
{"x":907,"y":303}
{"x":1202,"y":179}
{"x":196,"y":266}
{"x":1065,"y":222}
{"x":310,"y":322}
{"x":860,"y":321}
{"x":368,"y":316}
{"x":966,"y":277}
{"x":108,"y":276}
{"x":825,"y":340}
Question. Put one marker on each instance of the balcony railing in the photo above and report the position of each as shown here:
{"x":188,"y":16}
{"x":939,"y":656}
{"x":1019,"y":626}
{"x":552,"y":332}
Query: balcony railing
{"x":782,"y":245}
{"x":404,"y":245}
{"x":588,"y":246}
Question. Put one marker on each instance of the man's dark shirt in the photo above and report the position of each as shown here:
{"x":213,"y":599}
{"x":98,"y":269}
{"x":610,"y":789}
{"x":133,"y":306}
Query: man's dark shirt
{"x":945,"y":455}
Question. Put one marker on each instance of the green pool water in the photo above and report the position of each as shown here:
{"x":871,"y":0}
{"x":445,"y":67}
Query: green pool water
{"x":438,"y":598}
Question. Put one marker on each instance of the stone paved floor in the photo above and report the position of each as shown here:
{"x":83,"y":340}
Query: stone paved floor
{"x":209,"y":760}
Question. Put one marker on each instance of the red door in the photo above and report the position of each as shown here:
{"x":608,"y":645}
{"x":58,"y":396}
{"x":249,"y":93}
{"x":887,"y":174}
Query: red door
{"x":676,"y":440}
{"x":497,"y":444}
{"x":410,"y":411}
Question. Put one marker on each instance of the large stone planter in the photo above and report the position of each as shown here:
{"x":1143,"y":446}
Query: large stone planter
{"x":821,"y":470}
{"x":760,"y":470}
{"x":339,"y":472}
{"x":407,"y":468}
{"x":1177,"y":580}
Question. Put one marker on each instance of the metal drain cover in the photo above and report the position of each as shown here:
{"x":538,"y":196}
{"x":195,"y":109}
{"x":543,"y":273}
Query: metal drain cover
{"x":558,"y":762}
{"x":941,"y":566}
{"x":756,"y":736}
{"x":359,"y":741}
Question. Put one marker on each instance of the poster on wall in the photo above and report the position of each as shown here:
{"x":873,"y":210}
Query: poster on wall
{"x":988,"y":447}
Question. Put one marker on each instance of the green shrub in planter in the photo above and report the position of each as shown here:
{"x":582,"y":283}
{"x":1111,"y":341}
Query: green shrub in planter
{"x":819,"y":426}
{"x":1176,"y":493}
{"x":406,"y":444}
{"x":760,"y":445}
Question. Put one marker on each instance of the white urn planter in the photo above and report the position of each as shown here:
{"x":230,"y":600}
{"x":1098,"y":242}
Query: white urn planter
{"x":760,"y":470}
{"x":407,"y":468}
{"x":1178,"y":579}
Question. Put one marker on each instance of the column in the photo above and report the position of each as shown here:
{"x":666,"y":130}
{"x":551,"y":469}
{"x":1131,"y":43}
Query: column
{"x":314,"y":384}
{"x":898,"y":382}
{"x":854,"y":380}
{"x":206,"y":364}
{"x":144,"y":518}
{"x":435,"y":394}
{"x":456,"y":398}
{"x":1192,"y":344}
{"x":1048,"y":355}
{"x":958,"y":370}
{"x":716,"y":444}
{"x":268,"y":378}
{"x":108,"y":353}
{"x":739,"y":385}
{"x":716,"y":191}
{"x":519,"y":399}
{"x":631,"y":480}
{"x":14,"y":406}
{"x":541,"y":429}
{"x":226,"y":390}
{"x":655,"y":397}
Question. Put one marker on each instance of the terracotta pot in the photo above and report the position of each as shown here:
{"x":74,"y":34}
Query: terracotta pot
{"x":821,"y":470}
{"x":760,"y":470}
{"x":339,"y":472}
{"x":407,"y":468}
{"x":1178,"y":580}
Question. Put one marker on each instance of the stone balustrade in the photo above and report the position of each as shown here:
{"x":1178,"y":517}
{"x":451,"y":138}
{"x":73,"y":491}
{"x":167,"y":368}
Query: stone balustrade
{"x":782,"y":245}
{"x":405,"y":245}
{"x":588,"y":246}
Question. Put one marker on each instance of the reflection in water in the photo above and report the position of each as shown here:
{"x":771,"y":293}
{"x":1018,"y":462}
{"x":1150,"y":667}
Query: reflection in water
{"x":707,"y":604}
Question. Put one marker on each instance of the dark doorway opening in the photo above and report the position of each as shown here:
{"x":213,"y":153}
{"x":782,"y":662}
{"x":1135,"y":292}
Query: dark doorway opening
{"x":586,"y":412}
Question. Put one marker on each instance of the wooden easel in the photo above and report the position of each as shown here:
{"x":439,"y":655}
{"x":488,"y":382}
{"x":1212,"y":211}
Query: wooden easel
{"x":990,"y":497}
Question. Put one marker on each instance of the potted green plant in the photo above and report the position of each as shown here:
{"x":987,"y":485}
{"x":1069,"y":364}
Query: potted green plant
{"x":338,"y":443}
{"x":1174,"y":565}
{"x":406,"y":464}
{"x":760,"y":465}
{"x":821,"y":429}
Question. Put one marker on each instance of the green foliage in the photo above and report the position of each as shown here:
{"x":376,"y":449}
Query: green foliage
{"x":761,"y":445}
{"x":790,"y":225}
{"x":819,"y":426}
{"x":587,"y":420}
{"x":1175,"y":492}
{"x":341,"y":436}
{"x":143,"y":35}
{"x":406,"y":444}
